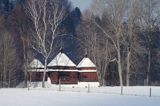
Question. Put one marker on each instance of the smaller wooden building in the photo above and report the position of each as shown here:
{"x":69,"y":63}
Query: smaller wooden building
{"x":87,"y":71}
{"x":35,"y":71}
{"x":62,"y":70}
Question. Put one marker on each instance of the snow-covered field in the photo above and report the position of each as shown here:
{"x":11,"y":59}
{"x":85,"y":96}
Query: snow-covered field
{"x":103,"y":96}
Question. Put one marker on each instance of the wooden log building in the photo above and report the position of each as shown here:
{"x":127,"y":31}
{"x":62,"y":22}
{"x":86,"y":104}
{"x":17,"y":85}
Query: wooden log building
{"x":36,"y":70}
{"x":62,"y":70}
{"x":87,"y":71}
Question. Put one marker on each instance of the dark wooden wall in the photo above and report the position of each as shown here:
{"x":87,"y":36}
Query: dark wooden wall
{"x":87,"y":68}
{"x":53,"y":77}
{"x":63,"y":77}
{"x":88,"y":77}
{"x":36,"y":76}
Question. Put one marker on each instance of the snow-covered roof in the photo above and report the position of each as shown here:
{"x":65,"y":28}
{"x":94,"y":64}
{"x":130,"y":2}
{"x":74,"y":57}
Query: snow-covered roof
{"x":36,"y":70}
{"x":86,"y":62}
{"x":61,"y":60}
{"x":87,"y":70}
{"x":36,"y":64}
{"x":64,"y":70}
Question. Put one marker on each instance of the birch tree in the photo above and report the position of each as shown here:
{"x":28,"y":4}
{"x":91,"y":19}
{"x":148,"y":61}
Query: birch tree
{"x":47,"y":16}
{"x":115,"y":11}
{"x":9,"y":60}
{"x":21,"y":25}
{"x":94,"y":44}
{"x":131,"y":41}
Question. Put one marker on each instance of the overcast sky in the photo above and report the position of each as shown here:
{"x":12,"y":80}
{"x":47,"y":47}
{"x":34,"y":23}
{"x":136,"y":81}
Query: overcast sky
{"x":82,"y":4}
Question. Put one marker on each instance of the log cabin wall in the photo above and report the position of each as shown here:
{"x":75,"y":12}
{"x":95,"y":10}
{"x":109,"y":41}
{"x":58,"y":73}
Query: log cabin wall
{"x":62,"y":77}
{"x":87,"y":68}
{"x":53,"y":75}
{"x":68,"y":77}
{"x":88,"y":77}
{"x":36,"y":76}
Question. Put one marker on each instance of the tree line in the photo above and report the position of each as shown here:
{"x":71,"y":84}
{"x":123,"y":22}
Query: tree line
{"x":123,"y":40}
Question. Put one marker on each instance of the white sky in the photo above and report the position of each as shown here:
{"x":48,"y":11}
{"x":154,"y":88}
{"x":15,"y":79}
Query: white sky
{"x":82,"y":4}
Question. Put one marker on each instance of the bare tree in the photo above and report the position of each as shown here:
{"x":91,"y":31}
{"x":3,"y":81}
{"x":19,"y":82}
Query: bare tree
{"x":150,"y":18}
{"x":21,"y":25}
{"x":47,"y":16}
{"x":132,"y":16}
{"x":9,"y":61}
{"x":94,"y":44}
{"x":115,"y":13}
{"x":131,"y":41}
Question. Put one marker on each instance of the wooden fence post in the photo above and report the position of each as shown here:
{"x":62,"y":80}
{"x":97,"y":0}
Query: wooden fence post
{"x":150,"y":92}
{"x":121,"y":90}
{"x":88,"y":88}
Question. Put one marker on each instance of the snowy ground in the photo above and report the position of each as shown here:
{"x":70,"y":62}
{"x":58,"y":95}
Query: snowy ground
{"x":52,"y":97}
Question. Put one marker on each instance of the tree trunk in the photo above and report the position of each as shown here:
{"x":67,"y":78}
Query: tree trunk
{"x":4,"y":67}
{"x":148,"y":68}
{"x":128,"y":69}
{"x":119,"y":68}
{"x":119,"y":62}
{"x":99,"y":77}
{"x":103,"y":82}
{"x":25,"y":64}
{"x":44,"y":73}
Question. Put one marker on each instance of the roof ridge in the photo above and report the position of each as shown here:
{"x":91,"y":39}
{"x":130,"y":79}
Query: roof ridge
{"x":61,"y":59}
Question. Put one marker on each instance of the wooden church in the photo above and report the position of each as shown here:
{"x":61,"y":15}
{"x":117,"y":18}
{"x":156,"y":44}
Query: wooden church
{"x":35,"y":71}
{"x":87,"y":71}
{"x":62,"y":70}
